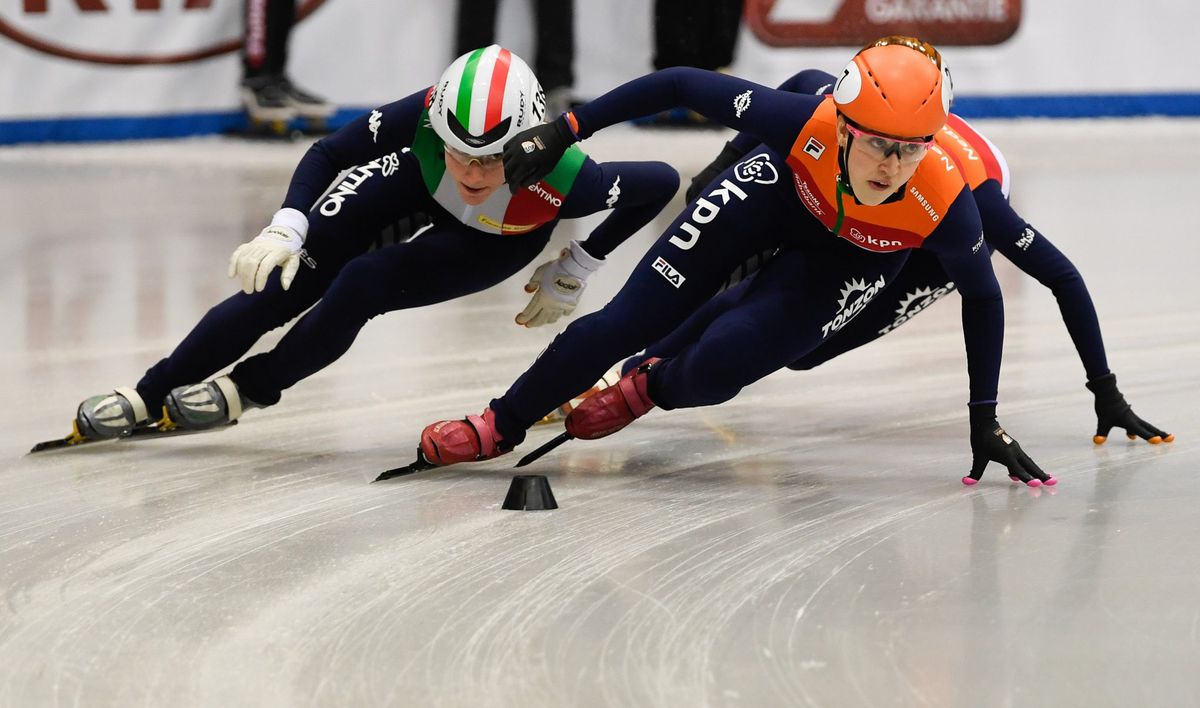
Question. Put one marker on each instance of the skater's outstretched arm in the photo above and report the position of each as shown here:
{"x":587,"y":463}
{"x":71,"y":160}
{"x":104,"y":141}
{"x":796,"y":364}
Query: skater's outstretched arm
{"x":1034,"y":254}
{"x":774,"y":117}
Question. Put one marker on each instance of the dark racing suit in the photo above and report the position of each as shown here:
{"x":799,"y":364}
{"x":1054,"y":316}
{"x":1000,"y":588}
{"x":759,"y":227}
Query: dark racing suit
{"x":922,"y":281}
{"x":396,"y":168}
{"x":835,"y":256}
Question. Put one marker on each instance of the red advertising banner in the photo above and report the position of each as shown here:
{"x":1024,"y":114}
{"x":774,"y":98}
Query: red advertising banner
{"x":114,"y":40}
{"x":827,"y":23}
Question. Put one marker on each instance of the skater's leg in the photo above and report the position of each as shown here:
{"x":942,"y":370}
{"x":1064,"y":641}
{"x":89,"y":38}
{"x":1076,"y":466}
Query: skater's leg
{"x":441,"y":264}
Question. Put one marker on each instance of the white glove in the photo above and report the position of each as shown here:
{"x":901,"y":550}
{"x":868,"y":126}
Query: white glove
{"x":557,"y":285}
{"x":277,"y":245}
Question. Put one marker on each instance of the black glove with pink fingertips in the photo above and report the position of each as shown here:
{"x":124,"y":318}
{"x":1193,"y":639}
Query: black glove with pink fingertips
{"x":989,"y":443}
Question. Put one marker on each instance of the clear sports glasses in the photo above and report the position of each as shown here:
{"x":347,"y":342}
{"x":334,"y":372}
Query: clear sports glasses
{"x":880,"y":147}
{"x":485,"y":161}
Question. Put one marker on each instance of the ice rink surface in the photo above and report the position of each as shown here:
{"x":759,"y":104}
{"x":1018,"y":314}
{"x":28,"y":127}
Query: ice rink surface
{"x":807,"y":544}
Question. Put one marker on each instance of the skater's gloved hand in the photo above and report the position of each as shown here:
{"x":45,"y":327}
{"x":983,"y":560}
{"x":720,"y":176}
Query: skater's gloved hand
{"x":533,"y":153}
{"x":989,"y":443}
{"x":279,"y":244}
{"x":556,"y":286}
{"x":1113,"y":412}
{"x":729,"y":155}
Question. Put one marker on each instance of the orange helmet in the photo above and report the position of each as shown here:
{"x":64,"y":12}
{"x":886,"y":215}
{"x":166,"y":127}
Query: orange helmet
{"x":897,"y":86}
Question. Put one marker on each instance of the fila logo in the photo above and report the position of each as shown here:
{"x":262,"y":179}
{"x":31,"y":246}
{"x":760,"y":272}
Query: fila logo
{"x":814,"y":148}
{"x":673,"y":276}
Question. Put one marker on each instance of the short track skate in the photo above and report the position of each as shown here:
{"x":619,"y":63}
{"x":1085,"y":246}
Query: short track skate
{"x":160,"y":429}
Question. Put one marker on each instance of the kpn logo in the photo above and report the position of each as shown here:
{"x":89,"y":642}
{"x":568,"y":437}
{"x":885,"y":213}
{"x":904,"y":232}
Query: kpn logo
{"x":131,"y":31}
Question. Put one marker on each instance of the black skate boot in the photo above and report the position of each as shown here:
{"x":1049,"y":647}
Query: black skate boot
{"x":307,"y":105}
{"x":267,"y":104}
{"x":110,"y":415}
{"x":202,"y":406}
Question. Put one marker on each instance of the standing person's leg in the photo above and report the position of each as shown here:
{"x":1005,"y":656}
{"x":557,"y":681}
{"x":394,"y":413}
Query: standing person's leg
{"x":676,"y":24}
{"x":721,"y":36}
{"x":681,"y":30}
{"x":554,"y":63}
{"x":441,"y":264}
{"x":268,"y":23}
{"x":475,"y":25}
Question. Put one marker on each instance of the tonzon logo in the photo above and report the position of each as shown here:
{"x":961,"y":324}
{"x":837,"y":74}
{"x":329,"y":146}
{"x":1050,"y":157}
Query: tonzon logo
{"x":129,"y":32}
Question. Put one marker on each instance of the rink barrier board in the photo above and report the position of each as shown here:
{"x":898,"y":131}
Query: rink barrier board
{"x":89,"y":129}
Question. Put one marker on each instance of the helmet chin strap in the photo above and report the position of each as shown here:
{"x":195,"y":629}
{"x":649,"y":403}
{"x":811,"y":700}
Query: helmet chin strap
{"x":843,"y":177}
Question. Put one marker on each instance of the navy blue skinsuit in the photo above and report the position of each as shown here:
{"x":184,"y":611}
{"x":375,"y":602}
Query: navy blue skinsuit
{"x":923,"y":281}
{"x":351,"y":284}
{"x":805,"y":295}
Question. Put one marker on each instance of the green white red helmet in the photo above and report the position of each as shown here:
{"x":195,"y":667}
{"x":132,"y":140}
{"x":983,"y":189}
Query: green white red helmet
{"x":484,"y":98}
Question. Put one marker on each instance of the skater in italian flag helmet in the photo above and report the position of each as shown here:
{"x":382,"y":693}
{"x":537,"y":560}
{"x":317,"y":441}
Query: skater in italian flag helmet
{"x":435,"y":153}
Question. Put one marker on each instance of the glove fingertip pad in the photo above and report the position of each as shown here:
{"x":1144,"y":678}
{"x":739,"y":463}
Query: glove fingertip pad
{"x":1099,"y":439}
{"x":970,"y":481}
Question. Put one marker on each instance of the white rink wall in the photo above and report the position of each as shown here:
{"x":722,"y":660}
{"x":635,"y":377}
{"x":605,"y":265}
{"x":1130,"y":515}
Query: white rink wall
{"x":361,"y":53}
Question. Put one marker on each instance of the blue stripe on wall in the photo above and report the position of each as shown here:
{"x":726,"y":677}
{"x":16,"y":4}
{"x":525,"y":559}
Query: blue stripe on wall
{"x":1097,"y":106}
{"x":71,"y":130}
{"x":177,"y":126}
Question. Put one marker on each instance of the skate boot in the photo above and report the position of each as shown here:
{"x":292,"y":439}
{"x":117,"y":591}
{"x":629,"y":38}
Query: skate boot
{"x":611,"y":409}
{"x":267,"y":102}
{"x":110,"y":415}
{"x":204,"y":405}
{"x":308,"y":106}
{"x":472,"y":438}
{"x":559,"y":414}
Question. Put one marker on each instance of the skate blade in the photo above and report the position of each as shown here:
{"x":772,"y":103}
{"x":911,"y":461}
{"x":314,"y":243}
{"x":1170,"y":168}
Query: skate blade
{"x":73,"y":438}
{"x":420,"y":465}
{"x":144,"y":432}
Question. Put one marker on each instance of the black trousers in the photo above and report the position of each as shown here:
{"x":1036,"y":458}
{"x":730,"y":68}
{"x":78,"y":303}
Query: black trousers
{"x":554,"y":23}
